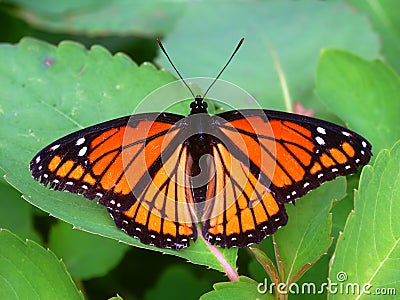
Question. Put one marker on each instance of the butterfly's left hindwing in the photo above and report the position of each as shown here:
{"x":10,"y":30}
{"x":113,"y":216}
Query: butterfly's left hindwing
{"x":163,"y":217}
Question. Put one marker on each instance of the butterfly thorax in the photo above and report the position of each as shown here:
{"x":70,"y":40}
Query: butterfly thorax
{"x":198,"y":106}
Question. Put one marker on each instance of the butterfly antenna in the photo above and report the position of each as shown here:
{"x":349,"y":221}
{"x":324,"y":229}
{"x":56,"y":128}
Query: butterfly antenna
{"x":177,"y":72}
{"x":223,"y":69}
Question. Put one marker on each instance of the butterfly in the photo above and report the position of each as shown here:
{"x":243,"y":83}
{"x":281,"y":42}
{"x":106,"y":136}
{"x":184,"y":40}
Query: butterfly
{"x":162,"y":176}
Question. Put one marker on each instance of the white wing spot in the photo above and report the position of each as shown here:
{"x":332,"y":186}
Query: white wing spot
{"x":347,"y":167}
{"x":217,"y":238}
{"x":320,"y":140}
{"x":294,"y":193}
{"x":55,"y":181}
{"x":250,"y":235}
{"x":233,"y":239}
{"x":335,"y":170}
{"x":112,"y":202}
{"x":345,"y":133}
{"x":152,"y":236}
{"x":138,"y":229}
{"x":288,"y":197}
{"x":306,"y":184}
{"x":321,"y":130}
{"x":276,"y":219}
{"x":124,"y":222}
{"x":364,"y":144}
{"x":45,"y":175}
{"x":82,"y":151}
{"x":69,"y":183}
{"x":320,"y":175}
{"x":84,"y":187}
{"x":357,"y":161}
{"x":80,"y":141}
{"x":118,"y":204}
{"x":169,"y":240}
{"x":39,"y":168}
{"x":99,"y":195}
{"x":184,"y":240}
{"x":54,"y":147}
{"x":362,"y":152}
{"x":37,"y":159}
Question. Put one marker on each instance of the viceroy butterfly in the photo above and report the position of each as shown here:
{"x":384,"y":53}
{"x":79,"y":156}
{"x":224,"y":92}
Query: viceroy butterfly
{"x":145,"y":169}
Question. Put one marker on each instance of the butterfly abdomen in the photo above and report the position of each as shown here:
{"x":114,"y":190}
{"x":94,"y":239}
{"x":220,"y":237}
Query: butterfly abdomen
{"x":199,"y":169}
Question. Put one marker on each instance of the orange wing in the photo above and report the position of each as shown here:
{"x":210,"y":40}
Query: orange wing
{"x":140,"y":169}
{"x":164,"y":216}
{"x":239,"y":209}
{"x":266,"y":158}
{"x":129,"y":164}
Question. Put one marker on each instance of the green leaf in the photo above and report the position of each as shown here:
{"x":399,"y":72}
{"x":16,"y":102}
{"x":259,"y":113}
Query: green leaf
{"x":342,"y":208}
{"x":307,"y":236}
{"x":178,"y":283}
{"x":255,"y":269}
{"x":93,"y":17}
{"x":50,"y":91}
{"x":386,"y":20}
{"x":364,"y":93}
{"x":118,"y":297}
{"x":266,"y":263}
{"x":245,"y":288}
{"x":16,"y":214}
{"x":27,"y":271}
{"x":85,"y":255}
{"x":206,"y":35}
{"x":368,"y":251}
{"x":316,"y":276}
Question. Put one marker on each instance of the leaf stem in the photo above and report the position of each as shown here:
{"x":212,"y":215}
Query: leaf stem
{"x":230,"y":272}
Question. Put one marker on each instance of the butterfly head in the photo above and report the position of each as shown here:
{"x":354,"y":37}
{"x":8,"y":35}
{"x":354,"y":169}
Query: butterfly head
{"x":198,"y":105}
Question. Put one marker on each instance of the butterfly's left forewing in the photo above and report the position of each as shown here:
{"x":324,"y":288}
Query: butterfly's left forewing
{"x":75,"y":163}
{"x":93,"y":161}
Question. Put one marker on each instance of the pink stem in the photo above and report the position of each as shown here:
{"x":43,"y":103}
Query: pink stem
{"x":230,"y":272}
